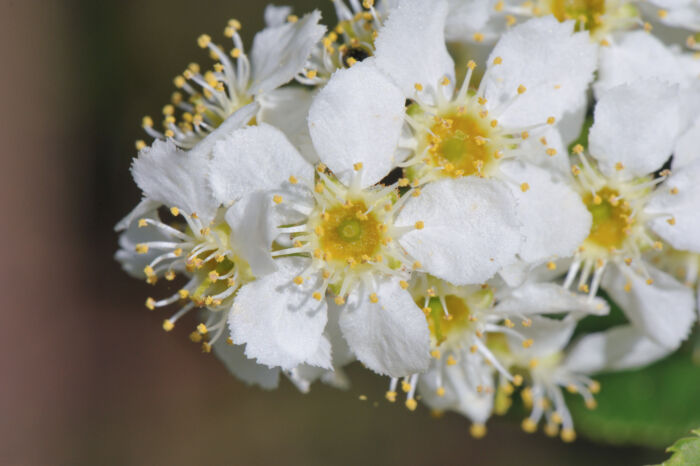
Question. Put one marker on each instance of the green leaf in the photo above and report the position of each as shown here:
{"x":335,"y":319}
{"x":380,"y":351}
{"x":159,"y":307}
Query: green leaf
{"x":652,"y":406}
{"x":686,"y":451}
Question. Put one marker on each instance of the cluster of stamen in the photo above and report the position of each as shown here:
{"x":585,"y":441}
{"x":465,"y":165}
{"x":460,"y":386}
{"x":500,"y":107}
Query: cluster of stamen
{"x":205,"y":99}
{"x":203,"y":254}
{"x":351,"y":41}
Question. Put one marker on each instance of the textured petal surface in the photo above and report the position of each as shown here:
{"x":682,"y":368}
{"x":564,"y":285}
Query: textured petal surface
{"x":357,"y":117}
{"x":550,"y":60}
{"x":175,"y":179}
{"x":635,"y":125}
{"x":547,"y":298}
{"x":247,"y":370}
{"x":554,"y":219}
{"x":684,"y":207}
{"x":279,"y":321}
{"x":471,"y":229}
{"x":548,"y":336}
{"x":279,"y":53}
{"x":391,"y":336}
{"x":664,"y":311}
{"x":254,"y":158}
{"x":687,"y":148}
{"x":410,"y":47}
{"x":616,"y":349}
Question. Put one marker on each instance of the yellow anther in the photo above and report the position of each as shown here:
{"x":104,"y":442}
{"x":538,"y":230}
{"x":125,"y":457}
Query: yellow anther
{"x":147,"y":122}
{"x":374,"y":298}
{"x":418,"y":87}
{"x":435,"y":353}
{"x":658,"y":245}
{"x":524,"y":187}
{"x":140,"y":144}
{"x":235,"y":52}
{"x":206,"y":347}
{"x":277,"y":199}
{"x":183,"y":293}
{"x":528,"y":343}
{"x":440,"y":391}
{"x":551,"y":151}
{"x":419,"y":225}
{"x":209,"y":300}
{"x":390,"y":396}
{"x":316,"y":295}
{"x":141,"y":248}
{"x":411,"y":404}
{"x":298,"y":280}
{"x":368,"y":4}
{"x":529,"y":425}
{"x":451,"y":361}
{"x":195,"y":337}
{"x":405,"y":386}
{"x":229,"y":341}
{"x":568,"y":435}
{"x":521,"y":89}
{"x":168,"y":325}
{"x":527,"y":323}
{"x":508,"y":323}
{"x":445,"y":81}
{"x":471,"y":64}
{"x":202,"y":329}
{"x":674,"y":190}
{"x":357,"y":166}
{"x":148,"y":270}
{"x":619,"y":166}
{"x":311,"y":74}
{"x":339,"y":300}
{"x":151,"y":303}
{"x":650,"y":281}
{"x":179,"y":81}
{"x":517,"y":380}
{"x":292,"y":18}
{"x":203,"y":41}
{"x":351,"y":61}
{"x":591,"y":403}
{"x":213,"y":276}
{"x":177,"y":252}
{"x":662,"y":14}
{"x":498,"y":6}
{"x":497,"y":61}
{"x":551,"y":120}
{"x":473,"y":349}
{"x":478,"y":37}
{"x":175,"y":211}
{"x":170,"y":275}
{"x":510,"y":20}
{"x":403,"y":284}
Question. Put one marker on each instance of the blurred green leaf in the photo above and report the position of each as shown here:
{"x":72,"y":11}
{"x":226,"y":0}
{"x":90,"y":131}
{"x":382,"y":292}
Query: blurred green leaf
{"x":686,"y":451}
{"x":649,"y":407}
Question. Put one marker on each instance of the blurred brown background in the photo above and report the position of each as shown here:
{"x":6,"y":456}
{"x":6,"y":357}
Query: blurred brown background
{"x":88,"y":376}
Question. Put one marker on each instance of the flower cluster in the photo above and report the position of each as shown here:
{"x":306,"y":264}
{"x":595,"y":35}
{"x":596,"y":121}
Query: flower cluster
{"x":444,"y":216}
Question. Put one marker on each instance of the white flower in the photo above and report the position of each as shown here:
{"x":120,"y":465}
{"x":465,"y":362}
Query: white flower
{"x":210,"y":98}
{"x":633,"y":134}
{"x":537,"y":72}
{"x":464,"y":322}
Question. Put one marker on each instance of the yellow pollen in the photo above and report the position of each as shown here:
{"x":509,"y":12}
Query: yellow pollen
{"x":440,"y":391}
{"x":521,"y":89}
{"x":662,"y":14}
{"x":497,"y":61}
{"x":471,"y":64}
{"x":517,"y":380}
{"x":203,"y":41}
{"x":373,"y":298}
{"x":390,"y":396}
{"x":277,"y":199}
{"x":316,"y":295}
{"x":202,"y":329}
{"x":168,"y":325}
{"x":451,"y":361}
{"x":568,"y":435}
{"x":141,"y":248}
{"x":411,"y":404}
{"x":298,"y":280}
{"x":445,"y":81}
{"x":151,"y":303}
{"x":611,"y":222}
{"x":175,"y":211}
{"x":551,"y":265}
{"x":551,"y":120}
{"x":339,"y":300}
{"x":529,"y":425}
{"x":293,"y":179}
{"x":524,"y":187}
{"x":478,"y":37}
{"x":350,"y":233}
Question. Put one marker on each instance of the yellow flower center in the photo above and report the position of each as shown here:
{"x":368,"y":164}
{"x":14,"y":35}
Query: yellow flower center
{"x":587,"y":13}
{"x":611,"y":218}
{"x":442,"y":324}
{"x":460,"y":144}
{"x":349,"y":234}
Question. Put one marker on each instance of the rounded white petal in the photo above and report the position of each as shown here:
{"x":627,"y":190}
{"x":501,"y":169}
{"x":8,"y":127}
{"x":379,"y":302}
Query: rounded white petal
{"x":253,"y":228}
{"x":619,"y":348}
{"x":554,"y":219}
{"x":175,"y":178}
{"x":469,"y":17}
{"x":550,"y":60}
{"x":635,"y":125}
{"x":247,"y":370}
{"x":687,"y":148}
{"x":664,"y":310}
{"x":546,"y":298}
{"x":237,"y":120}
{"x":410,"y":47}
{"x":276,"y":15}
{"x":279,"y":53}
{"x":391,"y":336}
{"x":636,"y":56}
{"x":252,"y":159}
{"x":279,"y":321}
{"x":683,"y":207}
{"x":470,"y":229}
{"x":357,"y":117}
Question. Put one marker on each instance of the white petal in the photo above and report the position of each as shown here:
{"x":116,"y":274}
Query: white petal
{"x":550,"y":60}
{"x":132,"y":262}
{"x":247,"y":370}
{"x":471,"y":229}
{"x":616,"y":349}
{"x":546,"y":298}
{"x":684,"y":234}
{"x":468,"y":17}
{"x":664,"y":311}
{"x":276,"y":15}
{"x":687,"y":148}
{"x":237,"y":120}
{"x":142,"y":209}
{"x":554,"y":219}
{"x":279,"y":321}
{"x":253,"y":228}
{"x":410,"y":47}
{"x":286,"y":109}
{"x":391,"y":336}
{"x":357,"y":117}
{"x":279,"y":53}
{"x":175,"y":179}
{"x":636,"y":56}
{"x":635,"y":125}
{"x":254,"y":158}
{"x":548,"y":336}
